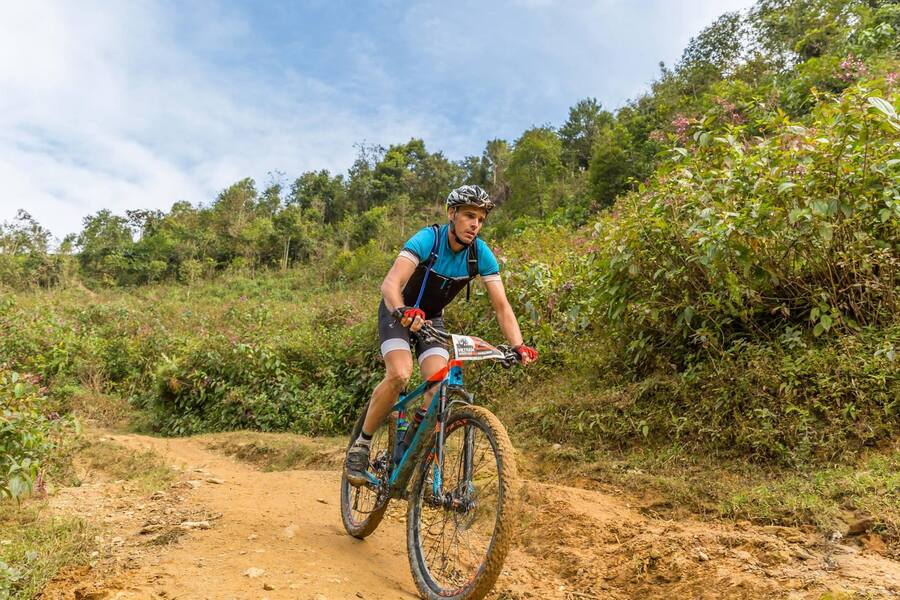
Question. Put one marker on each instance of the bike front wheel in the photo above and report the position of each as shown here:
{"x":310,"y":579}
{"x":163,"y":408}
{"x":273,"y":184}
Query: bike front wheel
{"x":363,"y":507}
{"x":460,"y":515}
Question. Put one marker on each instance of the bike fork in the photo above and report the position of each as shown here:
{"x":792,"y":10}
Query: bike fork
{"x":437,"y":479}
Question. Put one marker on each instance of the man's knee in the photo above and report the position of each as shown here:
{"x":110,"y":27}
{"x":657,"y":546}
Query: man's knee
{"x":397,"y":378}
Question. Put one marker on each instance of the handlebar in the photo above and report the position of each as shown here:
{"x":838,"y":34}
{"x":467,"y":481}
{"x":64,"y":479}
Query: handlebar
{"x":428,"y":333}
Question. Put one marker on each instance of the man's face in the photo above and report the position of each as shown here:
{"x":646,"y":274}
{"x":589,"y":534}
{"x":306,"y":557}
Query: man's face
{"x":467,"y":222}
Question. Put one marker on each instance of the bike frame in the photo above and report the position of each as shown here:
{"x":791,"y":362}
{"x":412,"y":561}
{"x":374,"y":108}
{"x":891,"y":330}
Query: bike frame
{"x":450,"y":382}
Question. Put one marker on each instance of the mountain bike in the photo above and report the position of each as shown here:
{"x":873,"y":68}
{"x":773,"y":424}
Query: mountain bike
{"x":455,"y":467}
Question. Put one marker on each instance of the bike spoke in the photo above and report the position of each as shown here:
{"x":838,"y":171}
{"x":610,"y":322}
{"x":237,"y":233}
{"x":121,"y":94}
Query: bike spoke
{"x":456,"y":539}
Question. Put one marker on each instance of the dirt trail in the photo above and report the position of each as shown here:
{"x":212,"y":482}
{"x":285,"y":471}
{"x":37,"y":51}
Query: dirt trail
{"x":279,"y":535}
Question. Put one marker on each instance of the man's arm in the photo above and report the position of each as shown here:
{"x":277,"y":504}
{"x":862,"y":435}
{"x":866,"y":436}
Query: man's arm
{"x":395,"y":281}
{"x":392,"y":289}
{"x":509,"y":325}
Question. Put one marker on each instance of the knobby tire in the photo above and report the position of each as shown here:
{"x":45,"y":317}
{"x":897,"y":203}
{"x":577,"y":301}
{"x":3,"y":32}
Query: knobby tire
{"x":482,"y":580}
{"x":362,"y":526}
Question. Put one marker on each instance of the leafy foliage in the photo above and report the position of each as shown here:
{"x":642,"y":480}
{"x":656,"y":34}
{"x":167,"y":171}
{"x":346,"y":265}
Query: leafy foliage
{"x":714,"y":263}
{"x":27,"y":434}
{"x":739,"y":236}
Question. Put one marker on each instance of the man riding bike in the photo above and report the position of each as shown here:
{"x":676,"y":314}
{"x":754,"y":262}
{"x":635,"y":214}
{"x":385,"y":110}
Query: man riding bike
{"x":432,"y":268}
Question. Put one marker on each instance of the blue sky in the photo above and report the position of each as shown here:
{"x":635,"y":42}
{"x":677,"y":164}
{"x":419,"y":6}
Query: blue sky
{"x":140,"y":104}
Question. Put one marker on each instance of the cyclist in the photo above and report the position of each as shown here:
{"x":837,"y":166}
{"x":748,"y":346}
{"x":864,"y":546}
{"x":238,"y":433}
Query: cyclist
{"x":434,"y":265}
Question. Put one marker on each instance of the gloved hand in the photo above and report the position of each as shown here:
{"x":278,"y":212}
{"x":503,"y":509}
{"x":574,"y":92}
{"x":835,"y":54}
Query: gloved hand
{"x":407,"y":315}
{"x":527,"y":354}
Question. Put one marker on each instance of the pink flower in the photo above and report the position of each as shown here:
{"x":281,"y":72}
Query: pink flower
{"x":725,"y":104}
{"x":891,"y":78}
{"x":730,"y":110}
{"x":852,"y":68}
{"x":681,"y":124}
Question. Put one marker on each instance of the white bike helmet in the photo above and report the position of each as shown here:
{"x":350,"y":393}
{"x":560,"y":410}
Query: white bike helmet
{"x":470,"y":195}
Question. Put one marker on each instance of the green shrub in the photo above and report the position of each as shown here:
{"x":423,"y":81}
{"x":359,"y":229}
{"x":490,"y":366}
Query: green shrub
{"x":367,"y":261}
{"x":28,"y":435}
{"x":786,"y":403}
{"x":740,"y":236}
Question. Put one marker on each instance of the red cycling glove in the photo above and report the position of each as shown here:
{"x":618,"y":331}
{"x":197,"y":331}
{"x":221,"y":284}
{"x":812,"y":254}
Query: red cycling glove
{"x":522,"y":350}
{"x":412,"y":313}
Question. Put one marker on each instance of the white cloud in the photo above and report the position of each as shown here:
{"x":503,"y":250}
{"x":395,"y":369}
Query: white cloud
{"x":103,"y":107}
{"x":130,"y":105}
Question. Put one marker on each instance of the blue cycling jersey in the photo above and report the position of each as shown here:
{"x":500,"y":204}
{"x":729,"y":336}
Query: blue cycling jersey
{"x":449,"y":263}
{"x":449,"y":274}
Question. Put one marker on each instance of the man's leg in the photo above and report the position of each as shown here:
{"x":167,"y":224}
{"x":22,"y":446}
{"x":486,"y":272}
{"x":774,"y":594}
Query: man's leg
{"x":398,"y":364}
{"x":433,"y":357}
{"x":430,"y":365}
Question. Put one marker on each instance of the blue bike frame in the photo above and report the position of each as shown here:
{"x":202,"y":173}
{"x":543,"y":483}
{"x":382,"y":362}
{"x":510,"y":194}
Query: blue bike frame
{"x":449,"y":380}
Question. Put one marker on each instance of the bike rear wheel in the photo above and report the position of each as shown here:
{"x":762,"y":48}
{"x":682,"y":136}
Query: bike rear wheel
{"x":363,"y":507}
{"x":457,"y":543}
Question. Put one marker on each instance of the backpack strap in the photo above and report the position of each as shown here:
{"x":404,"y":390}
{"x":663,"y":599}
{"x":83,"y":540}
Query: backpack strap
{"x":472,"y":264}
{"x":432,"y":258}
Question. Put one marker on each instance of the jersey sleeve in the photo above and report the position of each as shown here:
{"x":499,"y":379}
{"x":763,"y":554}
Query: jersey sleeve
{"x":487,"y":262}
{"x":420,"y":244}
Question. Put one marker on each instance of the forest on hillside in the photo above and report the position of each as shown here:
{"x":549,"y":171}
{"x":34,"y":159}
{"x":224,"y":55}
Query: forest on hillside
{"x":744,"y":76}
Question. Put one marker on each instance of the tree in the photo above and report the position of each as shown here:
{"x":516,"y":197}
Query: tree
{"x":496,"y":154}
{"x":393,"y":172}
{"x":233,"y":210}
{"x":145,"y":222}
{"x":361,"y":177}
{"x":715,"y":52}
{"x":579,"y":132}
{"x":432,"y":177}
{"x":793,"y":31}
{"x":24,"y":254}
{"x":104,"y":244}
{"x":320,"y":190}
{"x":270,"y":201}
{"x":476,"y":171}
{"x":535,"y":168}
{"x":23,"y":236}
{"x":612,"y":164}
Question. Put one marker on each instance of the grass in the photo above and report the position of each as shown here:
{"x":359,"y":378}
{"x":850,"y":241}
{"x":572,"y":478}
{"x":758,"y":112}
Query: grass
{"x":826,"y":497}
{"x":145,"y":469}
{"x":280,"y":451}
{"x":35,"y":547}
{"x":105,"y":410}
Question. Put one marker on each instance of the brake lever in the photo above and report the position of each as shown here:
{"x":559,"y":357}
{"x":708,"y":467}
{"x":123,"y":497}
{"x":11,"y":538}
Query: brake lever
{"x":510,"y":356}
{"x":430,"y":334}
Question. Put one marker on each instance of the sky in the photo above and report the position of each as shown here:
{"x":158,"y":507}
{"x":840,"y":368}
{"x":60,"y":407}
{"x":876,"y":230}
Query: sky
{"x":138,"y":104}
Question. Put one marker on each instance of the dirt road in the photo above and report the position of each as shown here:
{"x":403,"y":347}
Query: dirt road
{"x":225,"y":530}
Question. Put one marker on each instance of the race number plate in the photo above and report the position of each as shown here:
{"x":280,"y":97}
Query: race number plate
{"x":467,"y":347}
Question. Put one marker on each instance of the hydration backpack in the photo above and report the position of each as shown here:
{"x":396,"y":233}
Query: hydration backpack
{"x":471,"y":262}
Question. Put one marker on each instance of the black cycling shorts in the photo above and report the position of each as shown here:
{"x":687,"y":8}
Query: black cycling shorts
{"x":395,"y":336}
